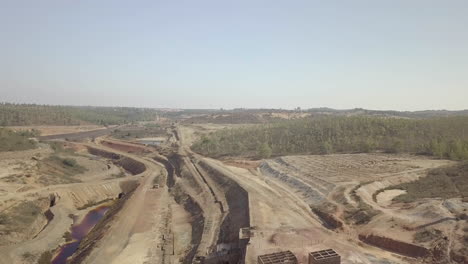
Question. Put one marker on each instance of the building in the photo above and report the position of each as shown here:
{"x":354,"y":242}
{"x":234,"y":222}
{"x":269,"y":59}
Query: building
{"x":284,"y":257}
{"x":327,"y":256}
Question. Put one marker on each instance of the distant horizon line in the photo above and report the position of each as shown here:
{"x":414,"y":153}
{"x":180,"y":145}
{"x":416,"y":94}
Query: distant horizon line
{"x":239,"y":108}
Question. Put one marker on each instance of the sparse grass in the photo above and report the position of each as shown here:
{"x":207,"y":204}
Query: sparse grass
{"x":58,"y":148}
{"x":118,"y":175}
{"x":427,"y":235}
{"x":157,"y":179}
{"x":57,"y":170}
{"x":16,"y":141}
{"x":45,"y":258}
{"x":20,"y":216}
{"x":448,"y":182}
{"x":67,"y":236}
{"x":363,"y":214}
{"x":27,"y":255}
{"x":139,"y":132}
{"x":3,"y":219}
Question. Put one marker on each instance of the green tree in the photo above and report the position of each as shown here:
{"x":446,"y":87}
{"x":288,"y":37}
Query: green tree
{"x":264,"y":151}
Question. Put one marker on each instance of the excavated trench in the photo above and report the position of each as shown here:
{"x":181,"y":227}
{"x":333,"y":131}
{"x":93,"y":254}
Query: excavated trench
{"x":173,"y":165}
{"x":170,"y":180}
{"x":197,"y":220}
{"x":231,"y":249}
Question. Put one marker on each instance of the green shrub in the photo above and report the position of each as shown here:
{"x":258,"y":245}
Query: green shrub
{"x":45,"y":258}
{"x":69,"y":162}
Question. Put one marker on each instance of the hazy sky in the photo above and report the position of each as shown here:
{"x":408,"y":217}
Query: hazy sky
{"x":398,"y":54}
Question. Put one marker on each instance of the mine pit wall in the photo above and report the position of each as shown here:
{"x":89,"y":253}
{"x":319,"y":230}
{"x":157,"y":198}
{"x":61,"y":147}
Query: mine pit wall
{"x":93,"y":237}
{"x":92,"y":194}
{"x":103,"y":153}
{"x":125,"y":147}
{"x":238,"y":216}
{"x":170,"y":180}
{"x":132,"y":166}
{"x":395,"y":246}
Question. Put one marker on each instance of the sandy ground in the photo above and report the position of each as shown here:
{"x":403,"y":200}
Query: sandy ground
{"x":385,"y":198}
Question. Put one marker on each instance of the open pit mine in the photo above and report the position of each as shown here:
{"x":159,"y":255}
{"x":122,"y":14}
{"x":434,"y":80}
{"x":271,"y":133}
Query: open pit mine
{"x":129,"y":202}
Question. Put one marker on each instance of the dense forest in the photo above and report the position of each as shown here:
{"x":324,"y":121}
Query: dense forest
{"x":30,"y":114}
{"x":11,"y":140}
{"x":445,"y":137}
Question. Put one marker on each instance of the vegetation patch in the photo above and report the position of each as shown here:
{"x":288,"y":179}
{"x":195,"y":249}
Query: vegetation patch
{"x":16,"y":141}
{"x":440,"y":137}
{"x":427,"y":235}
{"x":21,"y":216}
{"x":45,"y":258}
{"x":59,"y":170}
{"x":150,"y":130}
{"x":362,"y":214}
{"x":447,"y":182}
{"x":31,"y":114}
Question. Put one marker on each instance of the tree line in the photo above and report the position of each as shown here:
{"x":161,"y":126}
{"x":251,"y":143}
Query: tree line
{"x":32,"y":114}
{"x":444,"y":137}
